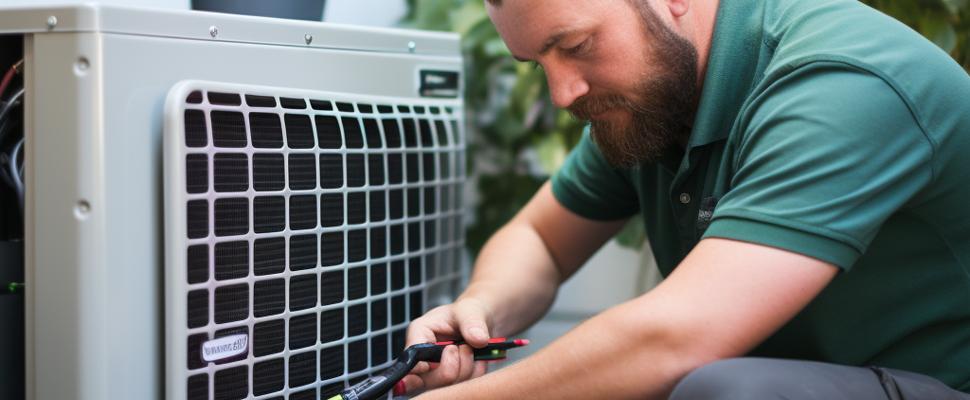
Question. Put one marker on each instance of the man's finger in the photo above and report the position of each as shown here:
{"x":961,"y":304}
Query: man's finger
{"x":447,"y":371}
{"x":471,"y":320}
{"x":419,"y":332}
{"x":466,"y":363}
{"x":413,"y":384}
{"x":437,"y":325}
{"x":420,"y":368}
{"x":481,"y":368}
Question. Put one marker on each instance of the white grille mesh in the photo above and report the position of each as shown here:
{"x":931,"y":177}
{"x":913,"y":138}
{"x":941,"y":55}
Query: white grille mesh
{"x":315,"y":224}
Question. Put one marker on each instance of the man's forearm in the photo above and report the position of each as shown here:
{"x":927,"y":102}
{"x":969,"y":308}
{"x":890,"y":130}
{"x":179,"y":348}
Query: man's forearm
{"x":515,"y":278}
{"x":608,"y":356}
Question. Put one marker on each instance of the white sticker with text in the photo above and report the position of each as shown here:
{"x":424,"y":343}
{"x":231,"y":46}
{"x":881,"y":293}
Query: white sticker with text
{"x":225,"y":347}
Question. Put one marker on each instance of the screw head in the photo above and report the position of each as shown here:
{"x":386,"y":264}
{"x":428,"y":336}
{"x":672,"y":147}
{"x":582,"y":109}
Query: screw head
{"x":213,"y":31}
{"x":412,"y":46}
{"x":51,"y":22}
{"x":82,"y":209}
{"x":81,"y":66}
{"x":308,"y":38}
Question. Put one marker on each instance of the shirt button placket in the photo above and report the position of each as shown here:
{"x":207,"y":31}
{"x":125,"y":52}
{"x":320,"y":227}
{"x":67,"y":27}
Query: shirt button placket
{"x":684,"y":198}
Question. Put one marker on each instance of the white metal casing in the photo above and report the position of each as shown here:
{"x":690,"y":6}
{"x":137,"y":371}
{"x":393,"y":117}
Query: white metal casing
{"x":96,"y":80}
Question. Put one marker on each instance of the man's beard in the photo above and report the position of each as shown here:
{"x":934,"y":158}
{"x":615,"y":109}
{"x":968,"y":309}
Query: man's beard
{"x":664,"y":111}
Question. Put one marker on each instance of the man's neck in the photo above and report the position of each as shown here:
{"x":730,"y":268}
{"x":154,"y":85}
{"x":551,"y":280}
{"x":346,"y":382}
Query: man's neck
{"x":705,"y":17}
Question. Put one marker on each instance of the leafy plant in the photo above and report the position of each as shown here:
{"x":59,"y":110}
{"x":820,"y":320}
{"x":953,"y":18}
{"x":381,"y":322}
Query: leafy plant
{"x":516,"y":135}
{"x":945,"y":22}
{"x":518,"y":138}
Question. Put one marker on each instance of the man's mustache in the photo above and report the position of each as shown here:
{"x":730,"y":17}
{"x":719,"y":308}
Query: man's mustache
{"x":587,"y":106}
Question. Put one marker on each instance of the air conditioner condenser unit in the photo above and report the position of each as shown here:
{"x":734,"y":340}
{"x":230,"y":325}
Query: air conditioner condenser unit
{"x":229,"y":207}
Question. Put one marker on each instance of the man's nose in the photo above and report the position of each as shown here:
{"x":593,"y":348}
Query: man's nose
{"x":565,"y":85}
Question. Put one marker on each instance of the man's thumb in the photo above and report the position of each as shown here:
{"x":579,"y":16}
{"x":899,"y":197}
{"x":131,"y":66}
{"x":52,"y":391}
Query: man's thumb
{"x":471,"y":320}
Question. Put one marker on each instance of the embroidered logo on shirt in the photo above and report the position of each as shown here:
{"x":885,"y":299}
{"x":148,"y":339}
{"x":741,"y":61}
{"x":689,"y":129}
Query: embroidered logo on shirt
{"x":705,"y":213}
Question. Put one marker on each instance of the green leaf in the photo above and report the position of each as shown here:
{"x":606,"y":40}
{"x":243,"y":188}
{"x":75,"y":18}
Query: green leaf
{"x":496,"y":47}
{"x":505,"y":193}
{"x":938,"y":30}
{"x":955,"y":6}
{"x":433,"y":14}
{"x":467,"y":16}
{"x":551,"y":150}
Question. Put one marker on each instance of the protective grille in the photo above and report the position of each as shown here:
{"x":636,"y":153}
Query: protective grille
{"x":306,"y":229}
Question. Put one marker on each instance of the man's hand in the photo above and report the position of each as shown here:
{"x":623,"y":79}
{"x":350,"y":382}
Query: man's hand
{"x":465,"y":319}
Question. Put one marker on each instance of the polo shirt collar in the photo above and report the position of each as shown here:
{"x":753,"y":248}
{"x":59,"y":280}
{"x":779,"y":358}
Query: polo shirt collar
{"x":732,"y":67}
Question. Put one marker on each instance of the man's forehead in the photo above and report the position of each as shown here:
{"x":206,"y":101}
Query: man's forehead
{"x":530,"y":26}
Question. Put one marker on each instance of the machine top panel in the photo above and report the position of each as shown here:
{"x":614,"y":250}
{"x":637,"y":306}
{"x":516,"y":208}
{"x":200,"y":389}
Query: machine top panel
{"x":210,"y":26}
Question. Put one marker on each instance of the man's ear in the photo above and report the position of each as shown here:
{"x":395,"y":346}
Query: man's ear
{"x":677,"y":8}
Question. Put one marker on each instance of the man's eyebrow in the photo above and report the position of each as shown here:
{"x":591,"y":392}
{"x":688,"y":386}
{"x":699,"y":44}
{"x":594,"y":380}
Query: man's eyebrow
{"x":549,"y":43}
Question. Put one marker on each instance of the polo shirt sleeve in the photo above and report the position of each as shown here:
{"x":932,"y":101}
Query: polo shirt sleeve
{"x":588,"y":186}
{"x":828,"y":153}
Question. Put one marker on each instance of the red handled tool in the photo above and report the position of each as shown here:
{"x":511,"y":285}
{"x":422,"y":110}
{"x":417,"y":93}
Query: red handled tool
{"x":378,"y":385}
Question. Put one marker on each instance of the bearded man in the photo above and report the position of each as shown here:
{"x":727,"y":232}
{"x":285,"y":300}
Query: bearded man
{"x":803,"y":171}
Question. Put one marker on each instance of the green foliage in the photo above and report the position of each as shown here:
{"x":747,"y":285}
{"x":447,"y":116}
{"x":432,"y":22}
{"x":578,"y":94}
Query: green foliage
{"x":945,"y":22}
{"x":517,"y":138}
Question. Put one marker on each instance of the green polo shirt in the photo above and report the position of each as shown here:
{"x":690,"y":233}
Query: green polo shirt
{"x":831,"y":130}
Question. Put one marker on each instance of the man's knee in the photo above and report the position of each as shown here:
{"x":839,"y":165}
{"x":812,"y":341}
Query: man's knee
{"x":766,"y":378}
{"x":726,"y":379}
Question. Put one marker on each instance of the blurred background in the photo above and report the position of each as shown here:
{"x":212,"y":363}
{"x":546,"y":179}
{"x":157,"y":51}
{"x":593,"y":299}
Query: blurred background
{"x":517,"y":139}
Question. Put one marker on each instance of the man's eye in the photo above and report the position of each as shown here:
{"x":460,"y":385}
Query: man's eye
{"x":581,"y":48}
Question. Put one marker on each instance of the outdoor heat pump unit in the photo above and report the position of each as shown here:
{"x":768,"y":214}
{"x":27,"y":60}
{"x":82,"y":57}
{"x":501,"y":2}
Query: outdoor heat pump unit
{"x":229,"y":207}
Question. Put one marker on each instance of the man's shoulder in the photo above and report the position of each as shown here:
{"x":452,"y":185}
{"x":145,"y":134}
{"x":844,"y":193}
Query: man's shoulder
{"x":811,"y":34}
{"x":825,"y":52}
{"x":841,"y":57}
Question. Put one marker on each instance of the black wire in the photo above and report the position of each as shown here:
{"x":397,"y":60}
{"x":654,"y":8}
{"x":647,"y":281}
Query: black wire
{"x":4,"y":125}
{"x":19,"y":158}
{"x":6,"y":177}
{"x":11,"y":103}
{"x":7,"y":107}
{"x":8,"y":159}
{"x":12,"y":164}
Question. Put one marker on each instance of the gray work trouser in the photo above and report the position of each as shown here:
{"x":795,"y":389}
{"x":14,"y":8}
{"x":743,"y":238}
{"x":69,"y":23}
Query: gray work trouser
{"x":767,"y":378}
